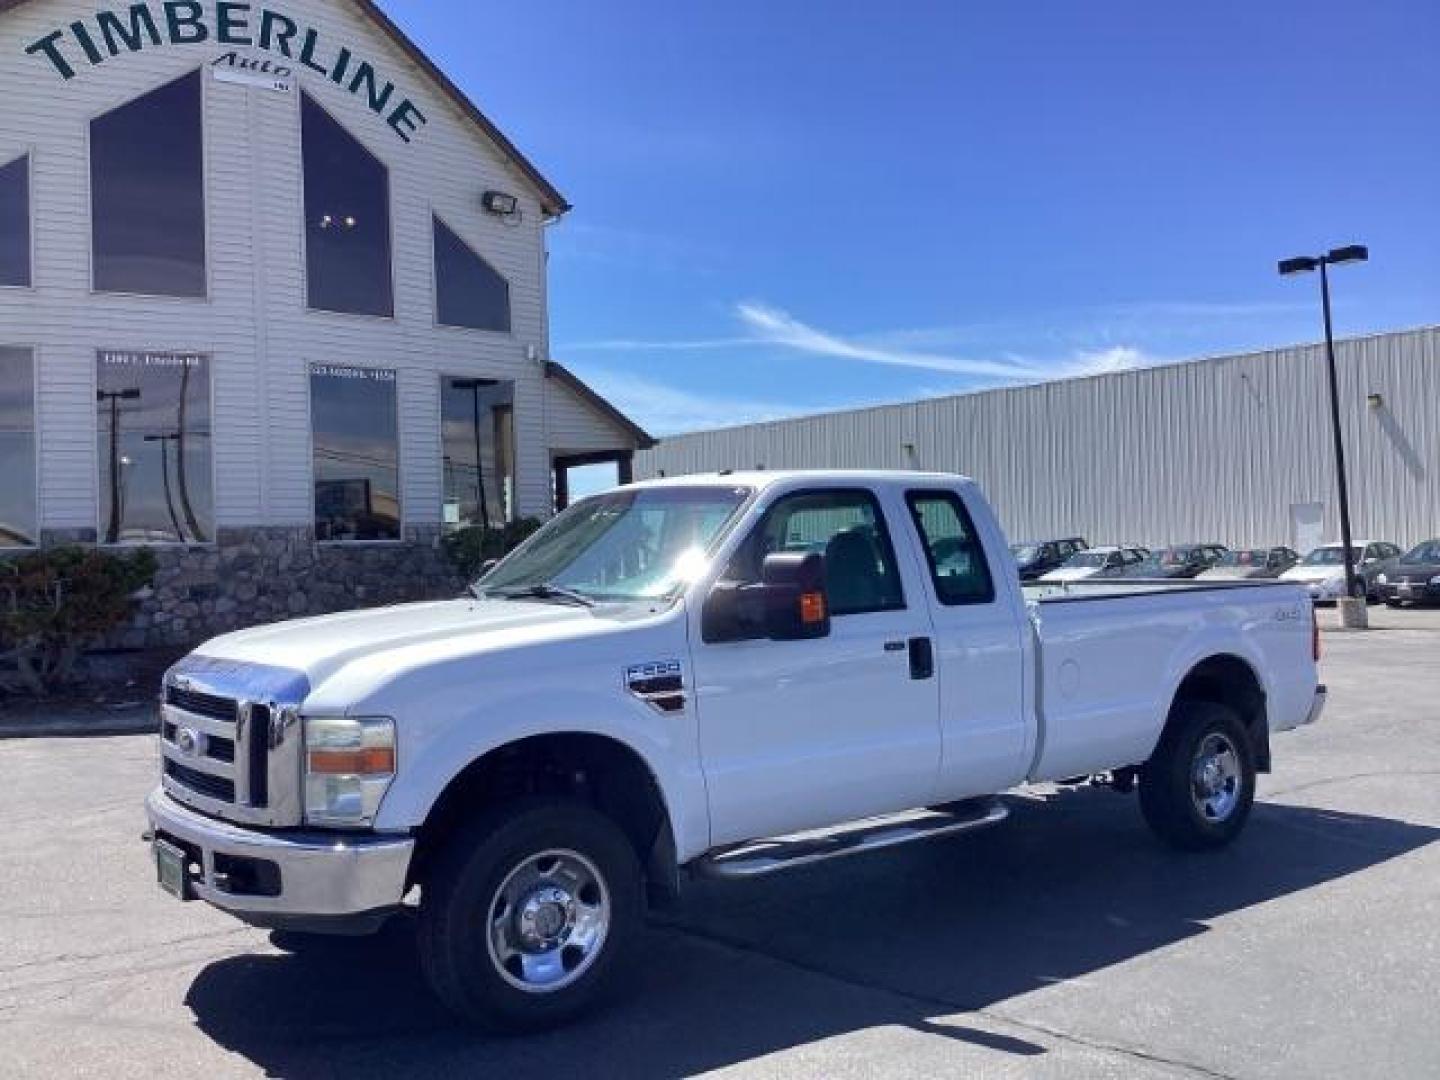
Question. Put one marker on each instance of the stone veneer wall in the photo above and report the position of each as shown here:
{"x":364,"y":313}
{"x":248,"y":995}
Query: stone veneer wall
{"x":265,"y":575}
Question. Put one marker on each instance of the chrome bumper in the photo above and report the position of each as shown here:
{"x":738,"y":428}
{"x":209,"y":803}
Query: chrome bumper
{"x":322,"y":876}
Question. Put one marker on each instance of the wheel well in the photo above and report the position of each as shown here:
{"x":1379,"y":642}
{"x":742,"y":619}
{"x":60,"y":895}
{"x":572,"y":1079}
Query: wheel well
{"x":1232,"y":682}
{"x":594,"y":769}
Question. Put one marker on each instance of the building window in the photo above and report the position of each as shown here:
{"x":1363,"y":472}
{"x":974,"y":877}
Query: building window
{"x":357,"y":453}
{"x":468,"y":290}
{"x":478,"y":443}
{"x":347,"y":219}
{"x":154,"y":423}
{"x":147,"y":194}
{"x":17,"y":448}
{"x":15,"y":223}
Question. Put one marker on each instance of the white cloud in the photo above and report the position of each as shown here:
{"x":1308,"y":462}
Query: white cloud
{"x":1107,"y":361}
{"x":773,"y":326}
{"x":663,"y":409}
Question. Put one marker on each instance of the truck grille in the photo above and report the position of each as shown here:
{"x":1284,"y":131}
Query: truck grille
{"x":201,"y":735}
{"x":230,"y":739}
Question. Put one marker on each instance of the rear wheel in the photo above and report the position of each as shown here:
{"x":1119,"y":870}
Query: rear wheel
{"x":1197,"y":788}
{"x":525,"y":920}
{"x":1393,"y":604}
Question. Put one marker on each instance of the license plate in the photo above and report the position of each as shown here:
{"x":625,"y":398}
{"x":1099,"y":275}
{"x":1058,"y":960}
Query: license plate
{"x":1406,"y":588}
{"x":171,"y":868}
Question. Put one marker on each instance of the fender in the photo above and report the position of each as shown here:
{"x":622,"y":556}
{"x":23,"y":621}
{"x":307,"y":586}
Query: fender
{"x":433,"y":754}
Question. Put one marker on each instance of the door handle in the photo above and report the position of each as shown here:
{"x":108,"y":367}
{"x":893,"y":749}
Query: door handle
{"x":894,"y":646}
{"x":922,"y":658}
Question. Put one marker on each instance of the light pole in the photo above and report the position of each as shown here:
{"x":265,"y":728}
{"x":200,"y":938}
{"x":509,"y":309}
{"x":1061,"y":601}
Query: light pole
{"x":475,"y":386}
{"x":114,"y":397}
{"x":1305,"y":264}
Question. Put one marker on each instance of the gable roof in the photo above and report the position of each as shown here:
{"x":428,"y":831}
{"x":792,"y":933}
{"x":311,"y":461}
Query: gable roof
{"x":554,"y":203}
{"x":563,"y":375}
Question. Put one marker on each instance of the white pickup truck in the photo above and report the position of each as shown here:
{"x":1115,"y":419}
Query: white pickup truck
{"x":727,"y":675}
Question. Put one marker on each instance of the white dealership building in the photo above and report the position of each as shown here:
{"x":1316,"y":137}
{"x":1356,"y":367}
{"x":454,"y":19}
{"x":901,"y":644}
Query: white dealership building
{"x":273,"y":302}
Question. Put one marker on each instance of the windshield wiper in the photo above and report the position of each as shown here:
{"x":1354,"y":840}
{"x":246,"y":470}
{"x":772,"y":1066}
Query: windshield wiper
{"x":544,"y":591}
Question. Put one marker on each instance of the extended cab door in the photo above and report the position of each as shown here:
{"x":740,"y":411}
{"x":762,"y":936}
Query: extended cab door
{"x":980,"y":646}
{"x":801,"y":734}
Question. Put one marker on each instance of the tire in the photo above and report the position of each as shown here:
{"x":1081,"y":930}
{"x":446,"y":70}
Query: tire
{"x":1186,"y":809}
{"x":1394,"y":604}
{"x":553,"y":869}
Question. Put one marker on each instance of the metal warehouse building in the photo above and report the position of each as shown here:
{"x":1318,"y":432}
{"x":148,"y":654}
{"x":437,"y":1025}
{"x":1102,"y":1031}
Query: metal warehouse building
{"x":1234,"y":449}
{"x":272,"y":302}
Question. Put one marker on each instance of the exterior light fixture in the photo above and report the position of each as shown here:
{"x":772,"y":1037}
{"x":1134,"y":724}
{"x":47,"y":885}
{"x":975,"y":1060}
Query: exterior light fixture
{"x":499,"y":203}
{"x":1376,"y":400}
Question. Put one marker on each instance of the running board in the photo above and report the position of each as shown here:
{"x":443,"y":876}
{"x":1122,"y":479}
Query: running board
{"x":760,"y":857}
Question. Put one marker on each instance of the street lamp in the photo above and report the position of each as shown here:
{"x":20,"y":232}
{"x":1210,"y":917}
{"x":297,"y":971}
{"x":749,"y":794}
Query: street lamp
{"x":113,"y":398}
{"x":475,"y":386}
{"x":1305,"y":264}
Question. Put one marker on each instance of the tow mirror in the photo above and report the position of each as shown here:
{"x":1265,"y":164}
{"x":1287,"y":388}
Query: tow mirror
{"x":796,"y":604}
{"x":789,"y":603}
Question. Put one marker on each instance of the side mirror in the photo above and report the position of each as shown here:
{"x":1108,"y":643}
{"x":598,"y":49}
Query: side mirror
{"x":789,"y":603}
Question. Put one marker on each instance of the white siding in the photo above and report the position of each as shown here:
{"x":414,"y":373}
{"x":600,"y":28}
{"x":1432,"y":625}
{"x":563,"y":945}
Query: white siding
{"x":254,"y":322}
{"x":1215,"y":450}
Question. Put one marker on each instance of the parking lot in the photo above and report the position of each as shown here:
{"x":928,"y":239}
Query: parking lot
{"x":1066,"y":943}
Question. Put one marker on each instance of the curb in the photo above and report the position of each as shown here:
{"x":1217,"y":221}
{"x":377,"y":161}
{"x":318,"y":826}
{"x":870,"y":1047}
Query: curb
{"x":142,"y":722}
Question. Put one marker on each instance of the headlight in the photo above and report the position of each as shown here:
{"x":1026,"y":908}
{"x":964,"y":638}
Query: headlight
{"x":1381,"y":579}
{"x":1435,"y":580}
{"x":349,"y":765}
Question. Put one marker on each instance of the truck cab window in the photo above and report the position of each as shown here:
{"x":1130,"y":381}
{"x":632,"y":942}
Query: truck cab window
{"x":956,"y":557}
{"x":846,"y":527}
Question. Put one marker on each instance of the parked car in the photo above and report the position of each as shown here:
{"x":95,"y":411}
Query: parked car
{"x":1176,"y":561}
{"x":1037,"y":557}
{"x":1414,"y":579}
{"x":1323,"y":570}
{"x":675,"y":678}
{"x":1092,"y":561}
{"x":1251,"y":563}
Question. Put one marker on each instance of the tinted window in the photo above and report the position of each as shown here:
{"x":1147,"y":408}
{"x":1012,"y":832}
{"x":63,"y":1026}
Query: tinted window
{"x":17,"y":448}
{"x":954,"y":552}
{"x":347,"y":219}
{"x":147,"y":194}
{"x":357,"y":453}
{"x":848,"y":529}
{"x":468,"y":290}
{"x":15,"y":223}
{"x":154,"y":441}
{"x":477,"y":431}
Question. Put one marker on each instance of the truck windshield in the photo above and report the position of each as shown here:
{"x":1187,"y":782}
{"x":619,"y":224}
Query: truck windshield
{"x":638,"y":544}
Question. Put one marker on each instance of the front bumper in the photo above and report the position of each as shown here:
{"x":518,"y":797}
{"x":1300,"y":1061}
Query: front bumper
{"x":296,"y":880}
{"x":1421,"y":592}
{"x":1327,"y":589}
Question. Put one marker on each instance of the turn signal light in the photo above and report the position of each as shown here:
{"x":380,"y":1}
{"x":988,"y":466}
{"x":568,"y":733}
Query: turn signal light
{"x":812,"y":608}
{"x":366,"y":761}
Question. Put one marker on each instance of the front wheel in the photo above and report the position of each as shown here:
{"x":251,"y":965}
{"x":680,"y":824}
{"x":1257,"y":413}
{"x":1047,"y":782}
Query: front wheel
{"x":525,"y":920}
{"x":1197,"y":788}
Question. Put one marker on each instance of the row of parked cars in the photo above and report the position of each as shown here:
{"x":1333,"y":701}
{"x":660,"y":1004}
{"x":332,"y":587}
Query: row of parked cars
{"x":1385,"y":571}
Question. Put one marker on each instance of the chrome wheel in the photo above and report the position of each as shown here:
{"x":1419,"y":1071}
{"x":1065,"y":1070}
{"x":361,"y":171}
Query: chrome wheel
{"x":548,"y":921}
{"x":1216,"y":778}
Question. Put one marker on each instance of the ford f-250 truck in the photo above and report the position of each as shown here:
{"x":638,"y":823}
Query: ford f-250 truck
{"x":725,"y":675}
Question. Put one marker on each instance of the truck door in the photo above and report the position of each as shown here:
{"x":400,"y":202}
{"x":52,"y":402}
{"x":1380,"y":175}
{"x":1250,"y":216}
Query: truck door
{"x":979,"y":651}
{"x":800,"y":734}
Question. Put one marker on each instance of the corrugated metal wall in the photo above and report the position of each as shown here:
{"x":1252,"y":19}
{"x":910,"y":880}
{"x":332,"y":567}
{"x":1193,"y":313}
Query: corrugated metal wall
{"x":1229,"y":449}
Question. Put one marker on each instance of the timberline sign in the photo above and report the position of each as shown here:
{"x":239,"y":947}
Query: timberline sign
{"x":236,"y":25}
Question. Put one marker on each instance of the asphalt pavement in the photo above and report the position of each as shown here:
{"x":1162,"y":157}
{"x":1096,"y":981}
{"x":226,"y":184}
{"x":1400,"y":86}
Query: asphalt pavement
{"x":1065,"y":943}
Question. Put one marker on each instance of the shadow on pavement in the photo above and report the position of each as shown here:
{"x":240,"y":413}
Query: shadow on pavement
{"x":1067,"y":887}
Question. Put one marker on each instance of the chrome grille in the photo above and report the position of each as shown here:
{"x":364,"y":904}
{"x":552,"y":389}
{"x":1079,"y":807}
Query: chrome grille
{"x":230,"y":740}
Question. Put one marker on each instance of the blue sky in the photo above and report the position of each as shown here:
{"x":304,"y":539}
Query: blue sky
{"x":788,"y":206}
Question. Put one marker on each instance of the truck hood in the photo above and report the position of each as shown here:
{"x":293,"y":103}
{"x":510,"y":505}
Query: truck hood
{"x":318,"y":647}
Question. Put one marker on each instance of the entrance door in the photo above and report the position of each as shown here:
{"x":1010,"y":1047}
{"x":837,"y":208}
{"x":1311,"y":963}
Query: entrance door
{"x":800,"y":734}
{"x":1307,"y":526}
